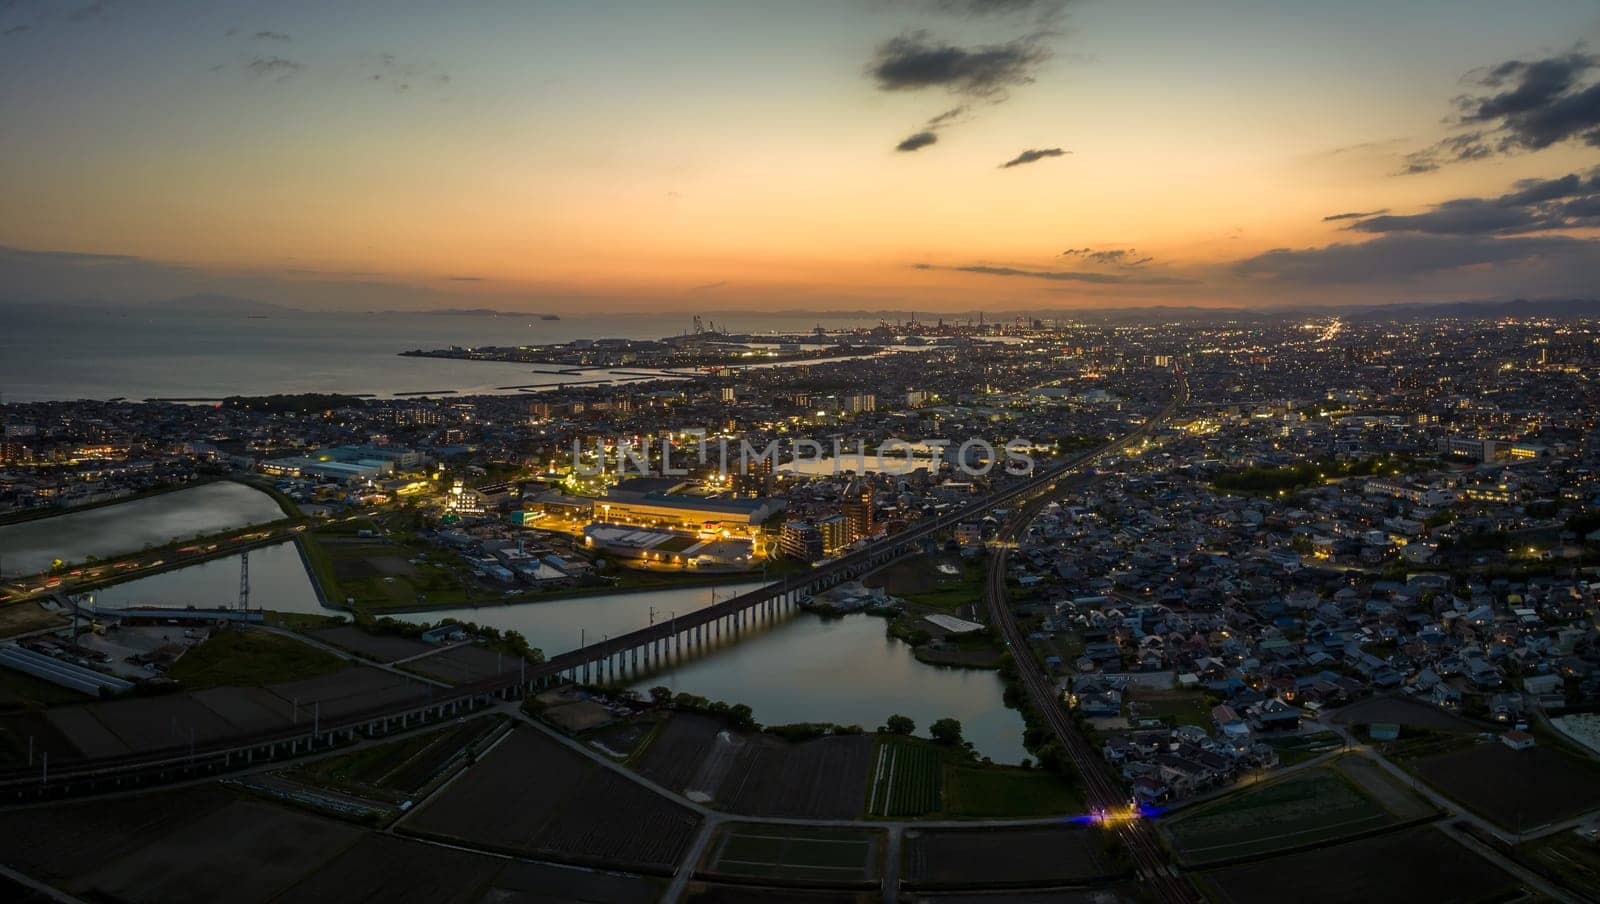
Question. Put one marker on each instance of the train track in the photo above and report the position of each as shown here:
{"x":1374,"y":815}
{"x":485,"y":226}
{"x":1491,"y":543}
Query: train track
{"x":1102,"y":791}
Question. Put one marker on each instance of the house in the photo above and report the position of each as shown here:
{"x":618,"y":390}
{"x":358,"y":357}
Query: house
{"x":1517,"y":740}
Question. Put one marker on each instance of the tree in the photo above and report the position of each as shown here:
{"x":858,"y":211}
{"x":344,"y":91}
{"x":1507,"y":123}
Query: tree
{"x":742,"y":716}
{"x":899,"y":725}
{"x":661,"y":695}
{"x":946,"y":731}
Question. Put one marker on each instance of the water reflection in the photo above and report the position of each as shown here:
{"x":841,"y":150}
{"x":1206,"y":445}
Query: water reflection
{"x":130,"y":526}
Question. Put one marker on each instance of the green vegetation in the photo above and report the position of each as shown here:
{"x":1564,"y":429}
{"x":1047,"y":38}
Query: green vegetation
{"x":1311,"y":807}
{"x":905,"y":778}
{"x":1007,"y":791}
{"x":899,"y":725}
{"x":371,"y":764}
{"x":950,"y":595}
{"x":1289,"y":478}
{"x":915,"y":778}
{"x":245,"y":658}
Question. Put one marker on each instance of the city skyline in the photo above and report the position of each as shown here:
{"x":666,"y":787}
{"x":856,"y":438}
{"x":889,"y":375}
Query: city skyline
{"x":938,"y":156}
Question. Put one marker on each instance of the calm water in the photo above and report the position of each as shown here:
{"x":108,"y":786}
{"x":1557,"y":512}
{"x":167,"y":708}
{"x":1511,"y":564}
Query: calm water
{"x":100,"y":353}
{"x":800,"y":669}
{"x":130,"y":526}
{"x":278,"y":581}
{"x":847,"y":670}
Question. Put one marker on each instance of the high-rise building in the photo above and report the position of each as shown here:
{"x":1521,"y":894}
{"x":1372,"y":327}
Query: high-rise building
{"x":856,"y":403}
{"x":835,"y":533}
{"x":858,"y":508}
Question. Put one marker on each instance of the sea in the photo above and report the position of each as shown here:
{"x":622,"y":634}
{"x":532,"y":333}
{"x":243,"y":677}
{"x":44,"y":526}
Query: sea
{"x":64,"y":353}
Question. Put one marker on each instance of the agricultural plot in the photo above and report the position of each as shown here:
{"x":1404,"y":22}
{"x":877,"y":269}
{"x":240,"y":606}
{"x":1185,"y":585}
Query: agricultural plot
{"x":532,"y":796}
{"x":1571,"y":860}
{"x":756,"y":774}
{"x":1012,"y":857}
{"x":1312,"y":807}
{"x":906,"y":779}
{"x":396,"y":769}
{"x":1405,"y":713}
{"x":1517,"y":789}
{"x":522,"y":882}
{"x":397,"y":871}
{"x":377,"y":647}
{"x":248,"y":851}
{"x":1007,"y":792}
{"x":58,"y":842}
{"x":806,"y":853}
{"x":1418,"y":864}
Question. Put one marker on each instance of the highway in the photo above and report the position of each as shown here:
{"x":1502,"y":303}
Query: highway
{"x":1102,"y":791}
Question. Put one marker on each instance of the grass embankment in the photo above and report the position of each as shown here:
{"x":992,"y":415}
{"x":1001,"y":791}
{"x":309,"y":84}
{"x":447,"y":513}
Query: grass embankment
{"x":913,"y":778}
{"x":243,"y":658}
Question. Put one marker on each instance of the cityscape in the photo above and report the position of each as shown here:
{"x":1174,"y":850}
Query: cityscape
{"x":364,"y":536}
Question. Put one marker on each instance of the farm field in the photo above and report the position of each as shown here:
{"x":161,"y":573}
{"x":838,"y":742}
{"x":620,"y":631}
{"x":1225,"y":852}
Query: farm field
{"x":1517,"y":789}
{"x":995,"y":858}
{"x":1171,"y":705}
{"x":397,"y":768}
{"x":397,"y":871}
{"x":378,"y":647}
{"x":532,"y":796}
{"x":756,"y":774}
{"x":1007,"y":791}
{"x":1419,"y":864}
{"x":1573,"y":861}
{"x":521,"y":882}
{"x":234,"y":658}
{"x":906,"y":778}
{"x":1405,"y":713}
{"x":806,"y":853}
{"x":1316,"y":806}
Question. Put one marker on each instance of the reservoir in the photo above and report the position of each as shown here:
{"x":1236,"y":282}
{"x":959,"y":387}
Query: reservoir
{"x":126,"y":527}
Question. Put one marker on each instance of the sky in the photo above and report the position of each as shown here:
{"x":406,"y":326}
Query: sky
{"x":913,"y":155}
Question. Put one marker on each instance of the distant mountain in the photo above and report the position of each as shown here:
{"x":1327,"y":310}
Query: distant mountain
{"x":1560,"y":308}
{"x":217,"y":304}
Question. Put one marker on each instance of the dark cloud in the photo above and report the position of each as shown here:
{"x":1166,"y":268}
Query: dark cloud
{"x":1533,"y":205}
{"x":1404,"y":256}
{"x":1040,"y":9}
{"x":929,"y":133}
{"x":272,"y":36}
{"x":1353,"y":215}
{"x":14,"y":30}
{"x":1082,"y":276}
{"x":915,"y":61}
{"x":1462,"y":216}
{"x":274,"y":67}
{"x":1521,"y":105}
{"x":1031,"y":155}
{"x":1113,"y":257}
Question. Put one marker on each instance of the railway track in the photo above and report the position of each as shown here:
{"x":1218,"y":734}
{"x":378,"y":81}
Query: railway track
{"x":1103,"y":792}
